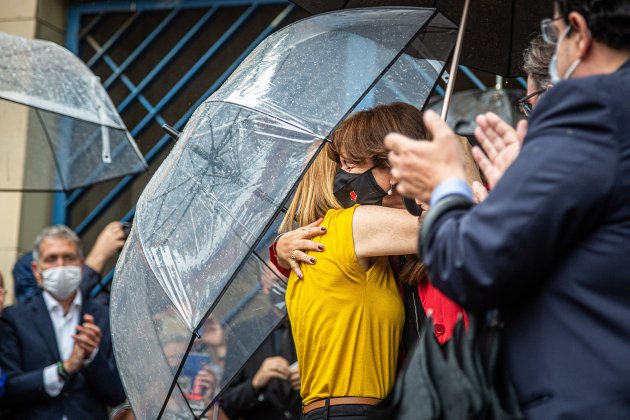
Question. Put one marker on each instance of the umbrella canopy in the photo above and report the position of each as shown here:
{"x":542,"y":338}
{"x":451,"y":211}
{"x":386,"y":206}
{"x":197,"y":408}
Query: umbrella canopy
{"x":75,"y":136}
{"x":466,"y":105}
{"x":497,"y":31}
{"x":191,"y":299}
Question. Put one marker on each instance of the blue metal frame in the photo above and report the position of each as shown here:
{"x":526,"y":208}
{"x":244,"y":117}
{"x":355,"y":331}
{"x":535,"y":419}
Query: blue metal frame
{"x":62,"y":202}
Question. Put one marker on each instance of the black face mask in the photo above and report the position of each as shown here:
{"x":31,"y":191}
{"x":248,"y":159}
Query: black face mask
{"x":351,"y":189}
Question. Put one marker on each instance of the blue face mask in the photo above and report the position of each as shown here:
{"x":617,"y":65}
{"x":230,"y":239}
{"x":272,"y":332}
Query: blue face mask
{"x":554,"y":76}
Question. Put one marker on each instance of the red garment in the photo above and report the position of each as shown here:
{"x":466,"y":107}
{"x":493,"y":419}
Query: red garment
{"x":445,"y":311}
{"x":273,"y":257}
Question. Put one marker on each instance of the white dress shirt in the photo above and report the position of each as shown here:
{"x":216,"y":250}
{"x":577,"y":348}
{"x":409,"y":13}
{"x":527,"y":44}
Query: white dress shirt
{"x":65,"y":327}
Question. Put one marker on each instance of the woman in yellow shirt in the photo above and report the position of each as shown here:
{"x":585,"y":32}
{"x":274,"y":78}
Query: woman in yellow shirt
{"x":346,"y":312}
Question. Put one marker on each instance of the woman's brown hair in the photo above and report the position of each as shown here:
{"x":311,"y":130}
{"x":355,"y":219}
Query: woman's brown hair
{"x":314,"y":195}
{"x":360,"y":137}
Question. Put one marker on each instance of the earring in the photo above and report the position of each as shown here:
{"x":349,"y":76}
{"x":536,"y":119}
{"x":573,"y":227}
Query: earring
{"x":391,"y":189}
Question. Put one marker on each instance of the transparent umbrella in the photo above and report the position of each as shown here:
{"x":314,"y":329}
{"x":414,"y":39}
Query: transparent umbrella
{"x":75,"y":136}
{"x":194,"y":293}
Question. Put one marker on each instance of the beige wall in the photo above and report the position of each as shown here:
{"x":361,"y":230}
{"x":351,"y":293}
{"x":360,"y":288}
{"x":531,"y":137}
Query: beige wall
{"x":23,"y":215}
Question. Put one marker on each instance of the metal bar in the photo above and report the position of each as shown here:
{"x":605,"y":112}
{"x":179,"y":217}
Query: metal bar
{"x":155,"y":150}
{"x":167,"y":58}
{"x":149,"y":5}
{"x":458,"y":50}
{"x":107,"y":45}
{"x":91,"y":25}
{"x":191,"y":72}
{"x":112,"y":65}
{"x":147,"y":41}
{"x":473,"y":78}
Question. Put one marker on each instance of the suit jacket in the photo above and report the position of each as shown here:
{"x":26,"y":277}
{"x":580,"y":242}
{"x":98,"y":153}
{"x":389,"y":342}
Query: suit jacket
{"x":278,"y":400}
{"x":28,"y":345}
{"x":550,"y":246}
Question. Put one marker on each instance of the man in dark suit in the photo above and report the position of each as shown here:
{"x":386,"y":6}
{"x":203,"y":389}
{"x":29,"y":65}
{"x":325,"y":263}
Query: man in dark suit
{"x":551,"y":242}
{"x":57,"y":366}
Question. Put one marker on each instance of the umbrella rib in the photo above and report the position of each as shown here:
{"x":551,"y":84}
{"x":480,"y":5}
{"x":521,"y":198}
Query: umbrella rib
{"x":176,"y":377}
{"x":302,"y":129}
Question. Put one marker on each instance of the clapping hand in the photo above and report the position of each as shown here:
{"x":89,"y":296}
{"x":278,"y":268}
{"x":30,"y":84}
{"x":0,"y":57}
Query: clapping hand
{"x":501,"y":144}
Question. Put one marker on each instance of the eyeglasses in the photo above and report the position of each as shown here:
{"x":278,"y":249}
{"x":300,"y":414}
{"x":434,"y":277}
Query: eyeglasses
{"x":524,"y":105}
{"x":549,"y":31}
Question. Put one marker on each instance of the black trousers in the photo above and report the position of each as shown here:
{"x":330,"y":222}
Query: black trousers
{"x":339,"y":412}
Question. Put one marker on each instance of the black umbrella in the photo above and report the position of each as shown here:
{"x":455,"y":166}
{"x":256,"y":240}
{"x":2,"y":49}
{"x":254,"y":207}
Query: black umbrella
{"x":498,"y":31}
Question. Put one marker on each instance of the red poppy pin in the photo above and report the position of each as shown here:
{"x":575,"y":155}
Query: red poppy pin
{"x":353,"y":196}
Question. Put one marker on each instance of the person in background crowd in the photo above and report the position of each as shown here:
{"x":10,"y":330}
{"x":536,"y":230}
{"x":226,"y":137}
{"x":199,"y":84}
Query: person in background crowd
{"x":549,"y":245}
{"x":108,"y":243}
{"x":500,"y":142}
{"x":268,"y":385}
{"x":55,"y":348}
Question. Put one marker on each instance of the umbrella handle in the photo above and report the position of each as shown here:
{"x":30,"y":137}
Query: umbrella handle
{"x":171,"y":131}
{"x":456,"y":54}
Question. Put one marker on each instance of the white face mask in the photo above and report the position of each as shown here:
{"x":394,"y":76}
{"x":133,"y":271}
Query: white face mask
{"x":61,"y":281}
{"x":554,"y":76}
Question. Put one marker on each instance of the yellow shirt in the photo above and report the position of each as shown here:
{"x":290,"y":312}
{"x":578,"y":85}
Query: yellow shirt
{"x":346,"y":321}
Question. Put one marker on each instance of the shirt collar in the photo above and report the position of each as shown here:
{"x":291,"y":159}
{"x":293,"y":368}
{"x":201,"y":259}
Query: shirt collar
{"x":52,"y":304}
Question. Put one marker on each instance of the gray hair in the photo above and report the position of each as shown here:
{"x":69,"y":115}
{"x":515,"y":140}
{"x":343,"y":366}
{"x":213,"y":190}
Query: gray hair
{"x":536,"y":61}
{"x":57,"y":232}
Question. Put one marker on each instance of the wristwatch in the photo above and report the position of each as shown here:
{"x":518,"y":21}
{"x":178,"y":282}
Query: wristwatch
{"x":62,"y":372}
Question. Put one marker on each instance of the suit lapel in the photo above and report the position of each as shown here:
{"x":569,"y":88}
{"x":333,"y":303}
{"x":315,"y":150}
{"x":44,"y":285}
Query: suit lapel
{"x":44,"y":325}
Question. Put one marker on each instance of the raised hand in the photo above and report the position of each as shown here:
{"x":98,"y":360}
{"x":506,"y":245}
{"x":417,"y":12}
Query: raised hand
{"x":501,"y":144}
{"x":272,"y":367}
{"x":88,"y":336}
{"x":108,"y":243}
{"x":420,"y":166}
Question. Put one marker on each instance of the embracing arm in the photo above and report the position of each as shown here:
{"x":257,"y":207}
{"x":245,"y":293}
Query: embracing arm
{"x":380,"y":231}
{"x":549,"y":199}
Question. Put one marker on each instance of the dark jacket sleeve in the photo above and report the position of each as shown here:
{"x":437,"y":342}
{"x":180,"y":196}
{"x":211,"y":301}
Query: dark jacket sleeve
{"x":549,"y":199}
{"x":21,"y":387}
{"x":89,"y":279}
{"x":240,"y":399}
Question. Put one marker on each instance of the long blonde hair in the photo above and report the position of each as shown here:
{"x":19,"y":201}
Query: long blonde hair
{"x":314,"y":195}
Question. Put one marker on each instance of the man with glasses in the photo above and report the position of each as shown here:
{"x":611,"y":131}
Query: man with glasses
{"x":500,"y":142}
{"x":549,"y":246}
{"x":536,"y":65}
